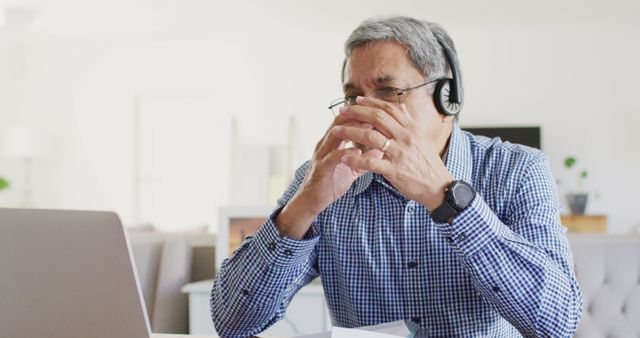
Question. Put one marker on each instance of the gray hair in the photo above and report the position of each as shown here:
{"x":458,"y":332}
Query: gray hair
{"x":419,"y":37}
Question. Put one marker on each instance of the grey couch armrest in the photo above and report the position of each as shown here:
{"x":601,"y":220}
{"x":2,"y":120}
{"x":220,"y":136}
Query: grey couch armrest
{"x":164,"y":266}
{"x":171,"y":308}
{"x":608,"y":271}
{"x":165,"y":263}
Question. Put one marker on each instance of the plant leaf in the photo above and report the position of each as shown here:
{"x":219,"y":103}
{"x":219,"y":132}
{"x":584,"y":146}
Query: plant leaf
{"x":569,"y":161}
{"x":584,"y":174}
{"x":3,"y":183}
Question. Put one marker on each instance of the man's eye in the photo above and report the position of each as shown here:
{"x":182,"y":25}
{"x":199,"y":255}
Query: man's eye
{"x":389,"y":90}
{"x":386,"y":94}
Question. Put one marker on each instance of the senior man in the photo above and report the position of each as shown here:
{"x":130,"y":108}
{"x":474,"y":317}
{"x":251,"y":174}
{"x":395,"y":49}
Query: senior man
{"x":457,"y":234}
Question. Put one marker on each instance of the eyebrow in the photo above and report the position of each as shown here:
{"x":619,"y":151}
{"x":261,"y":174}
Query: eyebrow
{"x":381,"y":80}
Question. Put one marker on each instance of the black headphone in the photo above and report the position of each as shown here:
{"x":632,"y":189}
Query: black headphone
{"x":448,"y":95}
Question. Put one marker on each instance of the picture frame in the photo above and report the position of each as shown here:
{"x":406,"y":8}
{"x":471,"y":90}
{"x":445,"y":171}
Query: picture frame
{"x":235,"y":223}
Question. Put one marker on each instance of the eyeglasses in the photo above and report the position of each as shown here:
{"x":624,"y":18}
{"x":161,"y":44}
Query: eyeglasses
{"x":388,"y":94}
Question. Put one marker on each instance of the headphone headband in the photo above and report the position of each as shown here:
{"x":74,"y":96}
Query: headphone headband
{"x":456,"y":95}
{"x":448,"y":95}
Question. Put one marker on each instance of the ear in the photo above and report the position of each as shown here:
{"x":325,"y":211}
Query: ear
{"x":446,"y":118}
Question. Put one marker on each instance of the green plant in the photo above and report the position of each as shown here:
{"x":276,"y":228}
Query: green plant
{"x":3,"y":184}
{"x":570,"y":163}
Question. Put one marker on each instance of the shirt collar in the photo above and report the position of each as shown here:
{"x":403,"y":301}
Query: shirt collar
{"x":458,"y":159}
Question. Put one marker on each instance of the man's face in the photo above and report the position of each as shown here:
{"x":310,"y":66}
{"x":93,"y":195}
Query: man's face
{"x":387,"y":64}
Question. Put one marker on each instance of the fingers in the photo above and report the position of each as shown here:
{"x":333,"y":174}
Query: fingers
{"x":379,"y":118}
{"x":336,"y":121}
{"x":395,"y":111}
{"x":368,"y":137}
{"x":330,"y":142}
{"x":398,"y":112}
{"x":336,"y":156}
{"x":372,"y":161}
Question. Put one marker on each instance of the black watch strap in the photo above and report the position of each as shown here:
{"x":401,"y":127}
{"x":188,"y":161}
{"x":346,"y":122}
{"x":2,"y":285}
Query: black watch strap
{"x":443,"y":213}
{"x":457,"y":197}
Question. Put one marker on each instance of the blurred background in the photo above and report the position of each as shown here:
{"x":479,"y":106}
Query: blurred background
{"x":166,"y":110}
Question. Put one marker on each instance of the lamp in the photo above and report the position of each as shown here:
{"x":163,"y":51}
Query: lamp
{"x":20,"y":142}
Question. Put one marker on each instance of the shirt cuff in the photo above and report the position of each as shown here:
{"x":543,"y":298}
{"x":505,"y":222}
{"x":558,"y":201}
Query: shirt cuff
{"x":283,"y":251}
{"x":473,"y":228}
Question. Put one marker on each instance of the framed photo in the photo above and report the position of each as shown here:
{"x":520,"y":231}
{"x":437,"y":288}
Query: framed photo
{"x":235,"y":224}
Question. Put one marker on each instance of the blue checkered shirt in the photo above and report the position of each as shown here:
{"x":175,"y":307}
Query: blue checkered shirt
{"x":503,"y":268}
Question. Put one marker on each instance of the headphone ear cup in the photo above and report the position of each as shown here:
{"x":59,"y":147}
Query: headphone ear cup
{"x":441,"y":99}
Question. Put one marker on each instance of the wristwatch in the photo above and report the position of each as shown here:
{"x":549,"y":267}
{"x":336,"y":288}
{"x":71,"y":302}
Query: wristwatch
{"x":457,"y":197}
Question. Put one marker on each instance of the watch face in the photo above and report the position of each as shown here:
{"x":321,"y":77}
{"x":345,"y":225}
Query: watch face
{"x":463,"y":194}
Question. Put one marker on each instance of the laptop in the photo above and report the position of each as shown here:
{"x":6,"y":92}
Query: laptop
{"x":67,"y":274}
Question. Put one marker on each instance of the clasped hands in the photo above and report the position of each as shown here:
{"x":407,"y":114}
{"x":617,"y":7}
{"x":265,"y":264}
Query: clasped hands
{"x":411,"y":162}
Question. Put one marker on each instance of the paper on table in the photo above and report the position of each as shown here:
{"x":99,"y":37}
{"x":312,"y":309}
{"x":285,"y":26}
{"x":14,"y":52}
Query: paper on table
{"x":326,"y":334}
{"x":397,"y":328}
{"x":385,"y":330}
{"x":339,"y":332}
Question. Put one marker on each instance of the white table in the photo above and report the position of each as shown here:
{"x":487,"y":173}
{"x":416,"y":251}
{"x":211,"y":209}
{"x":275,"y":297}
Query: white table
{"x":306,"y":314}
{"x":162,"y":335}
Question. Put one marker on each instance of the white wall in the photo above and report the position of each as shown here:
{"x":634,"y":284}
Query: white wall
{"x":10,"y":71}
{"x":569,"y":67}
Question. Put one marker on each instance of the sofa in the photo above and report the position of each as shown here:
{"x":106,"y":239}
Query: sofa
{"x":165,"y":263}
{"x":608,"y":271}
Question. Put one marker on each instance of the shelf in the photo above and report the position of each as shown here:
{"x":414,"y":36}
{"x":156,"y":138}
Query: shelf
{"x":585,"y":223}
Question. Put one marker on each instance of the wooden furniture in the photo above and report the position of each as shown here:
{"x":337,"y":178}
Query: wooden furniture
{"x":585,"y":223}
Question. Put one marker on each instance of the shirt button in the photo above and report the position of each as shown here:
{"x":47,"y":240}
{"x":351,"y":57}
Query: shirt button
{"x":272,"y":246}
{"x":449,"y":239}
{"x":412,"y":265}
{"x":462,"y":236}
{"x":495,"y":289}
{"x":245,"y":291}
{"x":411,"y":208}
{"x":288,"y":252}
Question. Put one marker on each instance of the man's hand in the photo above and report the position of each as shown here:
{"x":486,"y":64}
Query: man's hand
{"x":327,"y":179}
{"x":411,"y":163}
